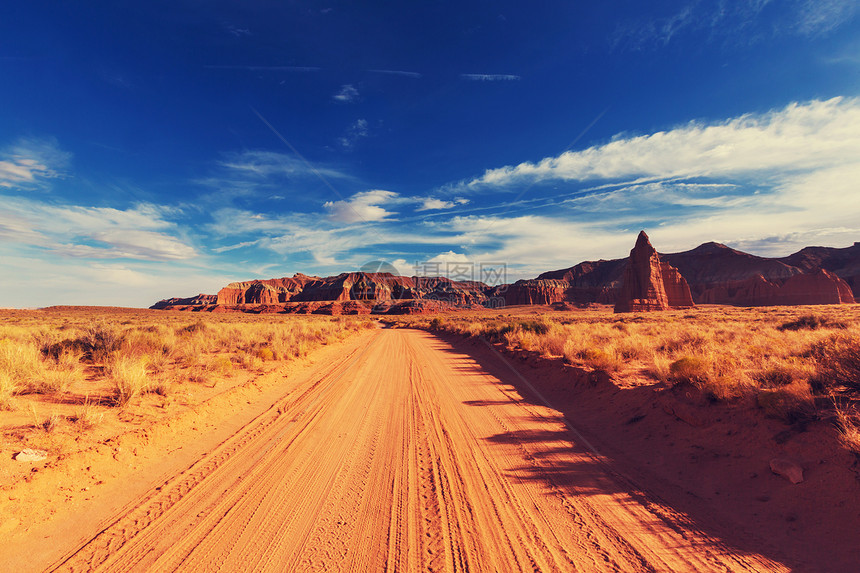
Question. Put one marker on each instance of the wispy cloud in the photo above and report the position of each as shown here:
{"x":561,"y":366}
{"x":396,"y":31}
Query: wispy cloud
{"x":265,"y":68}
{"x":490,"y":77}
{"x":29,"y":162}
{"x":736,"y":22}
{"x":817,"y":17}
{"x":358,"y":130}
{"x":405,"y":74}
{"x":346,"y":94}
{"x":805,"y":136}
{"x":236,"y":31}
{"x":142,"y":232}
{"x":262,"y":174}
{"x":771,"y":182}
{"x":261,"y":163}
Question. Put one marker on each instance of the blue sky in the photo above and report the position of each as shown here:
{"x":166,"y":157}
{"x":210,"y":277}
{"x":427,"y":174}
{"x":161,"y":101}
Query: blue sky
{"x":160,"y":149}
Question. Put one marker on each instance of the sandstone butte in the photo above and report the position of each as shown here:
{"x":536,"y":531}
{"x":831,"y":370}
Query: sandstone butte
{"x":651,"y":284}
{"x":347,"y":293}
{"x":714,"y":274}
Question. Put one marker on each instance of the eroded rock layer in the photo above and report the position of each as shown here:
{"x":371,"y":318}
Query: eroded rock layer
{"x":713,"y":273}
{"x":649,"y":283}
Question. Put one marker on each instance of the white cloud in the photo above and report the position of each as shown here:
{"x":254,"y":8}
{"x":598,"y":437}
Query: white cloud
{"x":141,"y":232}
{"x":346,"y":94}
{"x":808,"y":136}
{"x":30,"y":161}
{"x":333,"y":244}
{"x":431,"y":203}
{"x":449,"y":257}
{"x":770,"y":183}
{"x":362,"y":207}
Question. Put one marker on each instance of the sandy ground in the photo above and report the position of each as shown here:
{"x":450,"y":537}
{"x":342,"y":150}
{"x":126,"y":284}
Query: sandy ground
{"x":398,"y":453}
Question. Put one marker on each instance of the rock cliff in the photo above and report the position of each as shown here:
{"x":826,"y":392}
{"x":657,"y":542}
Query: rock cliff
{"x":649,"y":283}
{"x":341,"y":294}
{"x":714,"y":273}
{"x":199,"y":300}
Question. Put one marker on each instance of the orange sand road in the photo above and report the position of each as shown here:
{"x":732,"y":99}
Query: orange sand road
{"x":403,"y":455}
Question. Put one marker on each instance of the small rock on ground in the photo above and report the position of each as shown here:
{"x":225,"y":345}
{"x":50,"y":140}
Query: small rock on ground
{"x":31,"y":455}
{"x":787,"y":469}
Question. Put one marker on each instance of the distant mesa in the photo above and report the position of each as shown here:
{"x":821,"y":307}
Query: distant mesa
{"x":712,"y":273}
{"x":199,"y":300}
{"x":346,"y":293}
{"x":651,"y":284}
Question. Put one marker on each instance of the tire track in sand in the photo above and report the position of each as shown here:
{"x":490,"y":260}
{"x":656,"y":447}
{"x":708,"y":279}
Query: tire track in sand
{"x":383,"y":461}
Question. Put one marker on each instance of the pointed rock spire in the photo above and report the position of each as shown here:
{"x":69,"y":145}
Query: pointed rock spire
{"x":650,"y":284}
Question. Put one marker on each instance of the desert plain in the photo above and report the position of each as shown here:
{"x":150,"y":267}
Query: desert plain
{"x":522,"y":438}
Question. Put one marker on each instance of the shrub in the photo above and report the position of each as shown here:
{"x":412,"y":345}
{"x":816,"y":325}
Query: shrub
{"x":535,"y":326}
{"x":838,"y":360}
{"x":849,"y":431}
{"x":661,"y":369}
{"x":7,"y":389}
{"x":692,"y":369}
{"x":810,"y":322}
{"x":19,"y":364}
{"x":790,"y":403}
{"x":552,"y":344}
{"x":265,"y":354}
{"x":220,"y":363}
{"x":198,"y":326}
{"x":775,"y":377}
{"x":600,"y":359}
{"x":98,"y":342}
{"x":148,"y":342}
{"x":684,"y":341}
{"x":129,"y":378}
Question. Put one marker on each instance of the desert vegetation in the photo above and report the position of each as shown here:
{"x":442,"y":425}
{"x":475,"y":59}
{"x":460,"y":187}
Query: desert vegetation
{"x":795,"y":362}
{"x":65,"y":371}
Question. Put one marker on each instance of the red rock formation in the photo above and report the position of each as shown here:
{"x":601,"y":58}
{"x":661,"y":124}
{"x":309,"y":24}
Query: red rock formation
{"x":754,"y":291}
{"x":844,"y":263}
{"x":820,"y":287}
{"x":714,"y":273}
{"x":199,"y":300}
{"x":650,"y":284}
{"x":336,"y":295}
{"x":538,"y":291}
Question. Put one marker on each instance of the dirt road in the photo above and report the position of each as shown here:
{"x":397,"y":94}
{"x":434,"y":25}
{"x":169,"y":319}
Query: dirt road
{"x":403,"y":455}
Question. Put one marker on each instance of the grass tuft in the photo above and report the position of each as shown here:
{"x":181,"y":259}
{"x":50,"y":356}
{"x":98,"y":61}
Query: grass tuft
{"x":810,"y":322}
{"x":791,"y":403}
{"x":129,"y":378}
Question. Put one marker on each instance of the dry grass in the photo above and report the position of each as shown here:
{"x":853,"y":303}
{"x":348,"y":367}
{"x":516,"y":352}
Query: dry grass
{"x":781,"y":356}
{"x":87,"y":416}
{"x":849,"y":430}
{"x":54,"y":353}
{"x":129,"y":378}
{"x":72,"y":378}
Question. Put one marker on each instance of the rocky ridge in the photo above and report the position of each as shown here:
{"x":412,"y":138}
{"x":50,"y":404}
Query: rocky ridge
{"x":713,"y":273}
